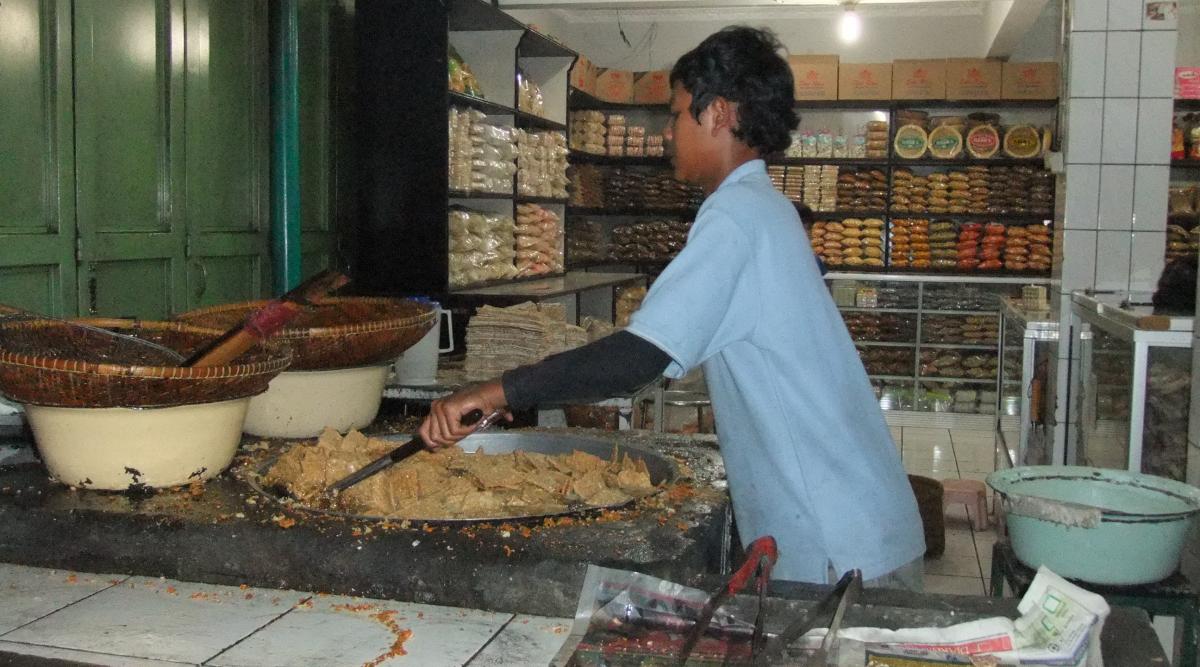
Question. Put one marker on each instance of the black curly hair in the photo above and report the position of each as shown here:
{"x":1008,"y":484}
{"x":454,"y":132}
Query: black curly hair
{"x":743,"y":65}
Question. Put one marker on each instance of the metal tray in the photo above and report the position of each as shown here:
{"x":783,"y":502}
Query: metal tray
{"x":662,"y":471}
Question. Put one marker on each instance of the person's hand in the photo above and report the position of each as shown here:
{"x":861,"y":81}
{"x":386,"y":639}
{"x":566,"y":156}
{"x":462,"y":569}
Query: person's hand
{"x":443,"y":426}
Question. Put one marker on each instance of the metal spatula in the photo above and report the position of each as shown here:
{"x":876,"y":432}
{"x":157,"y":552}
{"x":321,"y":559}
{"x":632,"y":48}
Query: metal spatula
{"x":404,"y":451}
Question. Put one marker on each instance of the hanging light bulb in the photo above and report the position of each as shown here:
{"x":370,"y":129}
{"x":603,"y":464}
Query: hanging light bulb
{"x":850,"y":25}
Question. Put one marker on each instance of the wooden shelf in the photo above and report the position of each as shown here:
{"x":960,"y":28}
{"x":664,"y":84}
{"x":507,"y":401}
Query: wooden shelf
{"x":675,"y":212}
{"x":889,"y":105}
{"x":488,"y":107}
{"x":1186,"y":164}
{"x":969,"y":162}
{"x":464,"y":194}
{"x":974,"y":104}
{"x":1187,"y":105}
{"x":533,"y":121}
{"x":579,"y":157}
{"x":838,"y":161}
{"x":528,"y":199}
{"x":578,"y":100}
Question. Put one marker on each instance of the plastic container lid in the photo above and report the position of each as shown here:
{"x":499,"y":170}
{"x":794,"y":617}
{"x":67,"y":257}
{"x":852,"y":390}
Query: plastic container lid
{"x":945,"y":142}
{"x":911,"y":142}
{"x":1022,"y":141}
{"x":983,"y":141}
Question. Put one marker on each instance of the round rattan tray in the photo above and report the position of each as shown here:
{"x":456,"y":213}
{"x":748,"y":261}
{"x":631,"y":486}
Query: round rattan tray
{"x":51,"y":363}
{"x":336,"y":332}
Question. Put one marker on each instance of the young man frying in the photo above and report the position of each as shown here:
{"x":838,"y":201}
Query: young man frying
{"x":807,"y":453}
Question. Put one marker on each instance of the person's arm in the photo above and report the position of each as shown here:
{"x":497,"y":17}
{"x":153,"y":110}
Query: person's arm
{"x":615,"y":364}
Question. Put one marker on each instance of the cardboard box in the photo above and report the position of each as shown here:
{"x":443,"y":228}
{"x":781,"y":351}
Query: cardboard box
{"x":973,"y":79}
{"x":815,"y":77}
{"x":652,"y":87}
{"x":615,"y":85}
{"x":1187,"y":83}
{"x":865,"y":81}
{"x":1030,"y":81}
{"x":919,"y":79}
{"x":583,"y":76}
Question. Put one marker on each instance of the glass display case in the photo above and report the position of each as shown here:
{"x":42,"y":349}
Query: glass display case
{"x":928,"y":345}
{"x":1028,"y":349}
{"x":1134,"y":386}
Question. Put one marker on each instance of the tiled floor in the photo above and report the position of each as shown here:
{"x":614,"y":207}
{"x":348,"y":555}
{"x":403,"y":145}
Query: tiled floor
{"x":953,"y":454}
{"x":135,"y":621}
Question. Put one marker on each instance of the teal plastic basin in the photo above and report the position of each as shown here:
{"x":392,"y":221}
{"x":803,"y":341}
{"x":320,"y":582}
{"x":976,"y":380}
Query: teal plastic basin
{"x":1094,"y":524}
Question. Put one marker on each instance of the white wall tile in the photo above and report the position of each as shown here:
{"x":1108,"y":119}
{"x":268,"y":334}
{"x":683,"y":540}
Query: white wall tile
{"x":1079,"y":259}
{"x":1157,"y":77}
{"x":1150,"y":198}
{"x":1085,"y":122}
{"x":1146,"y":259}
{"x":1086,"y":65}
{"x":1116,"y":197}
{"x":1119,"y":139}
{"x":1168,"y":21}
{"x":1112,"y":260}
{"x":1083,"y":196}
{"x":1123,"y":54}
{"x":1154,"y":130}
{"x":1125,"y":14}
{"x":1089,"y":15}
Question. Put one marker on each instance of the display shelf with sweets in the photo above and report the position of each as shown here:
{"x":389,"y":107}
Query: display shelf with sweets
{"x":460,"y":61}
{"x":479,"y":104}
{"x":882,"y":343}
{"x":581,"y":157}
{"x":891,"y":378}
{"x":578,"y":99}
{"x":899,"y":311}
{"x":632,"y":211}
{"x":842,"y":162}
{"x":526,"y":120}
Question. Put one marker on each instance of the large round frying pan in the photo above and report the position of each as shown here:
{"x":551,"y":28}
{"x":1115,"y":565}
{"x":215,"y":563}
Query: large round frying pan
{"x":662,"y":470}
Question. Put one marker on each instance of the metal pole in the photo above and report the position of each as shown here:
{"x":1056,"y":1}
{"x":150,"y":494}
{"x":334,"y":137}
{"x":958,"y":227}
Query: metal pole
{"x":285,"y":145}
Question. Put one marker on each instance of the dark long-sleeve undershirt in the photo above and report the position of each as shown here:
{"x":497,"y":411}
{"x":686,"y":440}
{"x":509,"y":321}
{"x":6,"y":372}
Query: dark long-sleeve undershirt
{"x":619,"y":364}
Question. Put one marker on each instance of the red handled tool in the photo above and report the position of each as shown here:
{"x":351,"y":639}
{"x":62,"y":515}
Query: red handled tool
{"x":760,"y":558}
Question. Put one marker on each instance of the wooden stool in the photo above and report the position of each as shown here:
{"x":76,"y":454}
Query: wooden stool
{"x":969,"y":492}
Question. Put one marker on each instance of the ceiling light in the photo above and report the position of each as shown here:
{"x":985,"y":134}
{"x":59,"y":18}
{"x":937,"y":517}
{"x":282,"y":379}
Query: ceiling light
{"x":850,"y":25}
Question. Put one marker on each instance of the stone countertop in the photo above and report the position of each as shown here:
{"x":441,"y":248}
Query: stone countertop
{"x":225,"y":532}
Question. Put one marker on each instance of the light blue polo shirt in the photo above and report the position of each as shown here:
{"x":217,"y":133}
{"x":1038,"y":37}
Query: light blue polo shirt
{"x":807,"y":452}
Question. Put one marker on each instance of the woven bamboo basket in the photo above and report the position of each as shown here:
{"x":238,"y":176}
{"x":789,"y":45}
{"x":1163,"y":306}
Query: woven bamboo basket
{"x":51,"y":363}
{"x":336,"y":332}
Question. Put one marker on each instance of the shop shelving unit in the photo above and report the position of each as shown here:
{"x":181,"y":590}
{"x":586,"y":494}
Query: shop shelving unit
{"x":1024,"y":109}
{"x":401,"y":117}
{"x":1027,"y":338}
{"x":909,"y":307}
{"x":1185,"y":171}
{"x":1135,"y":378}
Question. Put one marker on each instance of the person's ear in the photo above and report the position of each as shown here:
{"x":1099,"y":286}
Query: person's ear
{"x":724,"y":115}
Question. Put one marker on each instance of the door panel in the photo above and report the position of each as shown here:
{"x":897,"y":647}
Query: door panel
{"x":128,"y":94}
{"x":227,"y":149}
{"x":318,"y":135}
{"x":221,"y":280}
{"x":37,"y":207}
{"x":111,"y":281}
{"x":32,"y":287}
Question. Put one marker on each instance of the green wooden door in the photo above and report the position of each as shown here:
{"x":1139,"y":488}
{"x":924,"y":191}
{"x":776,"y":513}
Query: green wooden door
{"x":323,"y":28}
{"x":227,"y":146}
{"x":37,"y":204}
{"x":129,"y":57}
